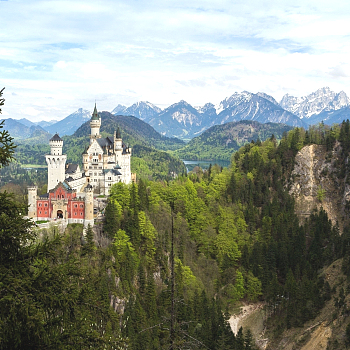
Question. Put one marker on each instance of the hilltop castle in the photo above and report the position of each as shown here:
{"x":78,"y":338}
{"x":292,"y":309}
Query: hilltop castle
{"x":106,"y":161}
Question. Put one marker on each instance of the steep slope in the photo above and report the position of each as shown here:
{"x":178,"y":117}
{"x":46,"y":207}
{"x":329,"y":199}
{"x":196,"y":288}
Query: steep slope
{"x":70,"y":124}
{"x":315,"y":183}
{"x":254,"y":107}
{"x":220,"y":141}
{"x":318,"y":106}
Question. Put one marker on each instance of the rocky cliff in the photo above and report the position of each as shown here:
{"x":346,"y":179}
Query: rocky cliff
{"x":315,"y":183}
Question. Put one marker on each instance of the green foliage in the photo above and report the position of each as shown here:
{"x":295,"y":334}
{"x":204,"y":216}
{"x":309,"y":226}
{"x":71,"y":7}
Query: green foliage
{"x":6,"y":145}
{"x":235,"y":236}
{"x":320,"y":194}
{"x":89,"y":246}
{"x":220,"y":141}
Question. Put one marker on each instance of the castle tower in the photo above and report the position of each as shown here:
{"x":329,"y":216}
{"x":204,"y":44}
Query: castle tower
{"x":95,"y":124}
{"x":117,"y":140}
{"x":89,"y":205}
{"x":56,"y":163}
{"x":32,"y":194}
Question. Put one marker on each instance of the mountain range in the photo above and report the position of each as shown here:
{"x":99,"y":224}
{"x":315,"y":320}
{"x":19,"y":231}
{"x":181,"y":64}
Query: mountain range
{"x":321,"y":105}
{"x":185,"y":121}
{"x":181,"y":120}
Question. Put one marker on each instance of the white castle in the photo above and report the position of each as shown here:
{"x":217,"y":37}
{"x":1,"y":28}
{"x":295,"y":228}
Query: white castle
{"x":106,"y":161}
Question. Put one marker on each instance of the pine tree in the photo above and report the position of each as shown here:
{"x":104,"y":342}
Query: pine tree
{"x":89,"y":246}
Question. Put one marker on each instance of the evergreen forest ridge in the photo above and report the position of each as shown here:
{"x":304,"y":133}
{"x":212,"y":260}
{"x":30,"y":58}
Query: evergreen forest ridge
{"x":172,"y":259}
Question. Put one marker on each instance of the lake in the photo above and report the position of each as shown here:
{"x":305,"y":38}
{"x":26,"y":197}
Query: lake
{"x":190,"y":164}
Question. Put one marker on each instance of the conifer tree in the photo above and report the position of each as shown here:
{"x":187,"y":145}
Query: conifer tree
{"x":89,"y":246}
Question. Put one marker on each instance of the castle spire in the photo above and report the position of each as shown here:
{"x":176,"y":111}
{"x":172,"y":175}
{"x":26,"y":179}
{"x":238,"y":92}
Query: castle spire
{"x":118,"y":136}
{"x":95,"y":115}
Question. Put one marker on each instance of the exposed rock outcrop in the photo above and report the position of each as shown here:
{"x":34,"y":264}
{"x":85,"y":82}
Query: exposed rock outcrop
{"x":315,"y":183}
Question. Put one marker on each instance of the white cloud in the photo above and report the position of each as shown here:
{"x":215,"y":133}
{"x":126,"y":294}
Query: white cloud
{"x":57,"y":56}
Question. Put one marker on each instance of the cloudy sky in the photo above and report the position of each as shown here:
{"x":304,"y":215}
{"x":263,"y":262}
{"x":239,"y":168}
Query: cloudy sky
{"x":58,"y":56}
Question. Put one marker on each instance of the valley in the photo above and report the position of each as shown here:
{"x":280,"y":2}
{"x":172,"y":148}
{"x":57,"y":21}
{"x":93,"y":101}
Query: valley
{"x":267,"y":234}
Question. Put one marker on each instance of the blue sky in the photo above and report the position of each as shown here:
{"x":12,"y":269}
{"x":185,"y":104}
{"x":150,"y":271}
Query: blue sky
{"x":58,"y":56}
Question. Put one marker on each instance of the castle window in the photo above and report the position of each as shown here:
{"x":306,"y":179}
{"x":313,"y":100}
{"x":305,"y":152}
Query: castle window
{"x":39,"y":204}
{"x":81,"y":214}
{"x":75,"y":205}
{"x":45,"y":212}
{"x":75,"y":214}
{"x":39,"y":212}
{"x":81,"y":206}
{"x":45,"y":204}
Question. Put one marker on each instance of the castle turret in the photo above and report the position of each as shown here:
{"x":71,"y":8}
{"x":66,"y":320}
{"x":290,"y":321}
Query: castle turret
{"x":32,"y":194}
{"x":56,"y":163}
{"x":95,"y":124}
{"x":118,"y":142}
{"x":89,"y":205}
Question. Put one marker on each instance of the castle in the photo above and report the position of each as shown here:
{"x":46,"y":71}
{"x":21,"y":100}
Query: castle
{"x":70,"y":196}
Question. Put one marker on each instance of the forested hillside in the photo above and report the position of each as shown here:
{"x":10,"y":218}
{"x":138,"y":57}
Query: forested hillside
{"x":173,"y":258}
{"x":220,"y":141}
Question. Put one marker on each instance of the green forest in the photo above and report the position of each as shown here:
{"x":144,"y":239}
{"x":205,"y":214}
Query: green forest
{"x":174,"y":257}
{"x":220,"y":141}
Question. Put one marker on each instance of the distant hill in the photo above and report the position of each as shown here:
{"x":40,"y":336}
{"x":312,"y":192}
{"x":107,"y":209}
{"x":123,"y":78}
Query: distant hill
{"x":44,"y":123}
{"x":70,"y":124}
{"x":21,"y":131}
{"x":220,"y":141}
{"x":133,"y":131}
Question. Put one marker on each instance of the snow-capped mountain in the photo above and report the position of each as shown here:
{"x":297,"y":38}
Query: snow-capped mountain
{"x":208,"y":109}
{"x":178,"y":120}
{"x":322,"y":100}
{"x":143,"y":110}
{"x":119,"y":110}
{"x":185,"y":121}
{"x":267,"y":97}
{"x":68,"y":125}
{"x":260,"y":107}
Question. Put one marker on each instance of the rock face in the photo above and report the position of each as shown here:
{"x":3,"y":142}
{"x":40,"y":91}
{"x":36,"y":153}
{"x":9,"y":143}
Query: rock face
{"x":316,"y":171}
